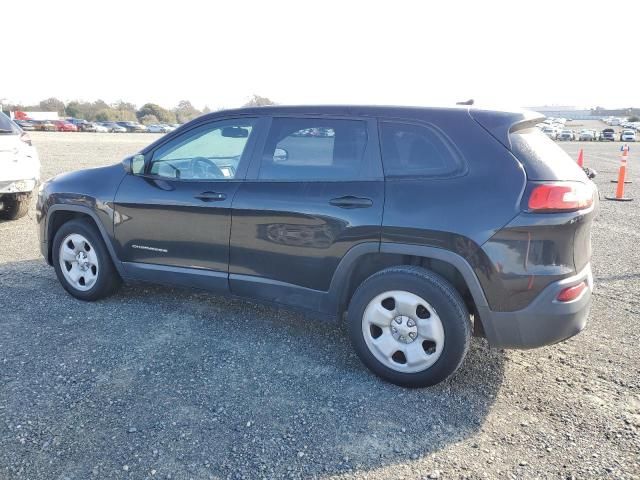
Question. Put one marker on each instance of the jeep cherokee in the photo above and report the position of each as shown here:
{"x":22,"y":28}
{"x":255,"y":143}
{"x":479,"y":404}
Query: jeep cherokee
{"x":419,"y":226}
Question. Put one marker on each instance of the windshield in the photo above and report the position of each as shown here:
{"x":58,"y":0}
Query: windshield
{"x":7,"y":126}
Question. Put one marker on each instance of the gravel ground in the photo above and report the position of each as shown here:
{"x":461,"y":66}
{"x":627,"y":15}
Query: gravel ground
{"x":166,"y":383}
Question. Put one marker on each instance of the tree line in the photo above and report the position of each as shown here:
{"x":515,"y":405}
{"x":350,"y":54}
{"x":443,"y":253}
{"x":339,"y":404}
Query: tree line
{"x":100,"y":111}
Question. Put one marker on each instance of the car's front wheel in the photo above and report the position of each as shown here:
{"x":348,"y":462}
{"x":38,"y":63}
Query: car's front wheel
{"x":409,"y":326}
{"x":82,"y":263}
{"x":15,"y":206}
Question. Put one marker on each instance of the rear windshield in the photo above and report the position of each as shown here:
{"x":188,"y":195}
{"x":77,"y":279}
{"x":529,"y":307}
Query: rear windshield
{"x":541,"y":157}
{"x":7,"y":126}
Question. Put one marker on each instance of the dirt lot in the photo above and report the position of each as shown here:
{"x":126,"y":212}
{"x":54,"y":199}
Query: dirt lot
{"x":165,"y":383}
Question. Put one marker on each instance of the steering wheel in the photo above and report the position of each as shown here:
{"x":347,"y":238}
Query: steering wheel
{"x":204,"y":168}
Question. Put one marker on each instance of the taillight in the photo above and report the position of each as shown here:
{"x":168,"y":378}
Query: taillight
{"x":571,"y":293}
{"x":560,"y":197}
{"x":25,"y":138}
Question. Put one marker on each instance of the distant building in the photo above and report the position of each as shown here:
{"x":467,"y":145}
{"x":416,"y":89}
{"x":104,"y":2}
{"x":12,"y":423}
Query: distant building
{"x":618,"y":112}
{"x":575,"y":113}
{"x":564,"y":111}
{"x":20,"y":115}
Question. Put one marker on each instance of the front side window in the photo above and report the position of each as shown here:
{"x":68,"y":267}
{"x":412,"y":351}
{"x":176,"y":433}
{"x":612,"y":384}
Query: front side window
{"x":209,"y":152}
{"x":314,"y":149}
{"x":410,"y":150}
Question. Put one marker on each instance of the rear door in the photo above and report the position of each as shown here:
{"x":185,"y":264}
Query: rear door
{"x":315,"y":189}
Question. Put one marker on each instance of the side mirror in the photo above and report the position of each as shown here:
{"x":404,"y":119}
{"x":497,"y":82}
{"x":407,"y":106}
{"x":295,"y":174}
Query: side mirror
{"x":134,"y":165}
{"x":127,"y":165}
{"x":280,"y":155}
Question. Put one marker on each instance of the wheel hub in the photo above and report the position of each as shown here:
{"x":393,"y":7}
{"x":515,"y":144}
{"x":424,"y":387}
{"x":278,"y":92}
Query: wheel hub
{"x":404,"y":329}
{"x":83,"y":260}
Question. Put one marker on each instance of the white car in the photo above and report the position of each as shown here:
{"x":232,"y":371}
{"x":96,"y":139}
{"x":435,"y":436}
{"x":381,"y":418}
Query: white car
{"x":101,"y":128}
{"x":587,"y":135}
{"x":550,"y":132}
{"x":155,"y":128}
{"x":19,"y":170}
{"x":628,"y":136}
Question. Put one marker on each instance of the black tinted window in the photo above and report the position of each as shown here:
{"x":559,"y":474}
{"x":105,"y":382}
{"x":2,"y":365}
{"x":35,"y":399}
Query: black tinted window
{"x":416,"y":150}
{"x":314,"y":149}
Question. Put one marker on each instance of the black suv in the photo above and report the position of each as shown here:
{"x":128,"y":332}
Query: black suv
{"x":133,"y":127}
{"x":608,"y":134}
{"x":418,"y":225}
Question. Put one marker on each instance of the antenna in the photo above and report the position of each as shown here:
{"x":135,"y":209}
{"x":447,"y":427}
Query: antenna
{"x":468,"y":102}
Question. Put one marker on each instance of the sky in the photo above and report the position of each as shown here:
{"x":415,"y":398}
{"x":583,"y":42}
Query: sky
{"x":219,"y":53}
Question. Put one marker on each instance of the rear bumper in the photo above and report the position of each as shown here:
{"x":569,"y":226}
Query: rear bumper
{"x":544,"y":321}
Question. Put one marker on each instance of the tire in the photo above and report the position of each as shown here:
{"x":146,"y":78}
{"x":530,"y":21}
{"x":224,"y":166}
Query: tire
{"x":93,"y":284}
{"x":430,"y":358}
{"x":15,"y":207}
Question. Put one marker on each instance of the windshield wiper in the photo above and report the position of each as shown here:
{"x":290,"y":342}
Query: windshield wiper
{"x":2,"y":130}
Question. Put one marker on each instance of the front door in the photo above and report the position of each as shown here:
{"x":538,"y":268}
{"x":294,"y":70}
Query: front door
{"x":314,"y":191}
{"x":175,"y":216}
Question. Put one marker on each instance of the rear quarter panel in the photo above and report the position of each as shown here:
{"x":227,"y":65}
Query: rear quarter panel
{"x":462,"y":212}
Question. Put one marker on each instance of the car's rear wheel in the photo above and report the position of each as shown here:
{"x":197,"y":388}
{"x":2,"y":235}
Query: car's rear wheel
{"x":82,"y":263}
{"x":15,"y":206}
{"x":409,"y":326}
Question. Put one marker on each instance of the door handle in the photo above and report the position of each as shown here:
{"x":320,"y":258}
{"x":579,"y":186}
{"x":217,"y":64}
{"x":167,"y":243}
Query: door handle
{"x":211,"y":196}
{"x":350,"y":201}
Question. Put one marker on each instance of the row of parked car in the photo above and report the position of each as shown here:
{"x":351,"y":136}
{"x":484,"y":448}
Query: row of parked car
{"x":555,"y":129}
{"x":80,"y":125}
{"x":590,"y":135}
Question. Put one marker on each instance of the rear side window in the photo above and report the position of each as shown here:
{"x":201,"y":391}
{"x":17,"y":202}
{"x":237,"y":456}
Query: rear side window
{"x":314,"y":149}
{"x":410,"y":150}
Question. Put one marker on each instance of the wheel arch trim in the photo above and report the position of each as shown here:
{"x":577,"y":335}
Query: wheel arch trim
{"x":86,"y":211}
{"x":337,"y":290}
{"x":459,"y":262}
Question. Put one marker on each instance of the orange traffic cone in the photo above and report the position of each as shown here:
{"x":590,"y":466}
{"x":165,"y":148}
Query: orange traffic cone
{"x":581,"y":158}
{"x":623,"y":156}
{"x":621,"y":174}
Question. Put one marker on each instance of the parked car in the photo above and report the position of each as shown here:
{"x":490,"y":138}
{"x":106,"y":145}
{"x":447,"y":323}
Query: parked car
{"x":113,"y":127}
{"x":25,"y":125}
{"x":550,"y":132}
{"x":567,"y":135}
{"x":19,"y":171}
{"x":396,"y":220}
{"x":628,"y":136}
{"x":155,"y":128}
{"x":133,"y":127}
{"x":44,"y":125}
{"x":100,"y":128}
{"x":87,"y":127}
{"x":64,"y":126}
{"x":78,"y":122}
{"x":82,"y":125}
{"x":608,"y":134}
{"x":586,"y":136}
